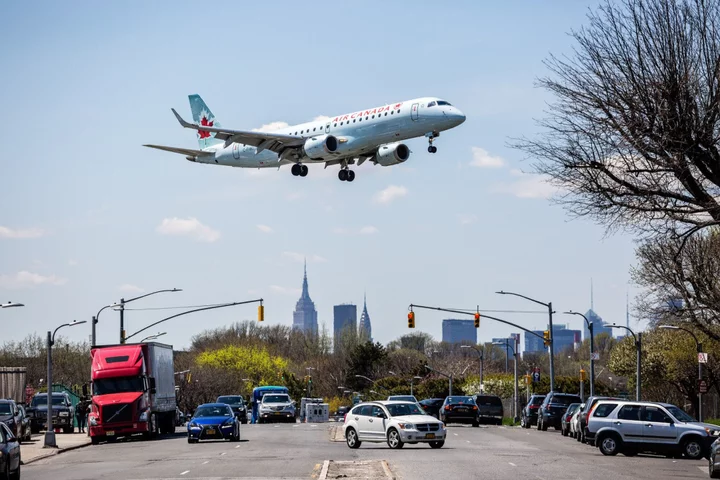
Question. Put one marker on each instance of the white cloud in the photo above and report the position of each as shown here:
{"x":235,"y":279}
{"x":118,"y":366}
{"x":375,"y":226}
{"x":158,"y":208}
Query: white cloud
{"x":482,"y":159}
{"x":321,"y":118}
{"x":72,"y":262}
{"x":466,"y":218}
{"x":188,"y":227}
{"x":389,"y":194}
{"x":265,"y":228}
{"x":130,"y":288}
{"x":528,"y":186}
{"x":300,"y":257}
{"x":366,"y":230}
{"x":25,"y":279}
{"x":271,"y":127}
{"x":285,"y":290}
{"x":21,"y":233}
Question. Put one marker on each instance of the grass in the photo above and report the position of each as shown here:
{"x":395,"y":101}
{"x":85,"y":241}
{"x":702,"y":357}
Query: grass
{"x":714,"y":421}
{"x":509,"y":422}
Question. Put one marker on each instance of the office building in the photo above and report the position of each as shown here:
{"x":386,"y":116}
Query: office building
{"x":459,"y":331}
{"x":305,"y":315}
{"x":365,"y":329}
{"x":344,"y":318}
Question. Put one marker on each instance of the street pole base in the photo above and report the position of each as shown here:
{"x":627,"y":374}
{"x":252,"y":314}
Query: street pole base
{"x":50,"y":440}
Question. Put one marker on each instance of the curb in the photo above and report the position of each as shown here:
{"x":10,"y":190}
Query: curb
{"x":55,"y":452}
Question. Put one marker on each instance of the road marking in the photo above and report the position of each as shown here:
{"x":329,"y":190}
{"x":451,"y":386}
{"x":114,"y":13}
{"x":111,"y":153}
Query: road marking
{"x":237,"y":446}
{"x":206,"y":462}
{"x":223,"y":453}
{"x":455,"y":434}
{"x":512,"y":464}
{"x":468,"y":441}
{"x":704,"y":469}
{"x":186,"y":471}
{"x":296,"y":425}
{"x":324,"y":471}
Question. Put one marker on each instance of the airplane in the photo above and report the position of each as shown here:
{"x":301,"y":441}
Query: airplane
{"x":374,"y":134}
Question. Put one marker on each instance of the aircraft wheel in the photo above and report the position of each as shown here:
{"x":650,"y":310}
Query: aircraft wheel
{"x":303,"y":170}
{"x":343,"y":175}
{"x":350,"y":175}
{"x":296,"y":169}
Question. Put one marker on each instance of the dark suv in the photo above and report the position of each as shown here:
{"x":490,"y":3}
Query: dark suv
{"x":459,"y":409}
{"x":529,"y":414}
{"x":11,"y":415}
{"x":63,"y":412}
{"x":552,"y":409}
{"x":490,"y":408}
{"x":237,"y":403}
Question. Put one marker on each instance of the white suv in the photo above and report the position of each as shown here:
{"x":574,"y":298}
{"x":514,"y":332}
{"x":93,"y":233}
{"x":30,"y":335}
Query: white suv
{"x":631,"y":427}
{"x":396,"y":423}
{"x":276,"y":407}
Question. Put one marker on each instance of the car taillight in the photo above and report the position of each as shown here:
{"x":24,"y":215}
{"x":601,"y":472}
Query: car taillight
{"x":474,"y":407}
{"x":447,"y":407}
{"x":534,"y":407}
{"x":345,"y":418}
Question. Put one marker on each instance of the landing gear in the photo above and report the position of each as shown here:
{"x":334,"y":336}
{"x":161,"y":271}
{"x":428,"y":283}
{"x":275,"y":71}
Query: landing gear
{"x":431,"y":136}
{"x":432,"y":149}
{"x":299,"y":170}
{"x":346,"y":175}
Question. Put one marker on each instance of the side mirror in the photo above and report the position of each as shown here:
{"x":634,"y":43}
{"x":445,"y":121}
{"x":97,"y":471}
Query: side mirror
{"x":380,"y":415}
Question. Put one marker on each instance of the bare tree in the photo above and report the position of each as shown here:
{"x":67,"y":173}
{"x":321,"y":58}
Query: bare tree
{"x":631,"y":139}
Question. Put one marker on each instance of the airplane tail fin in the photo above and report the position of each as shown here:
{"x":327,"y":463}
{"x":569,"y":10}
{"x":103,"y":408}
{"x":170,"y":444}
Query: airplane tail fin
{"x":203,"y":116}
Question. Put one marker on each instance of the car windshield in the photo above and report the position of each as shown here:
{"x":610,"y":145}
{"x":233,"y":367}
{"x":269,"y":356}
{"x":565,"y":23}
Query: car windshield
{"x":565,"y":399}
{"x":402,"y":409}
{"x":5,"y":409}
{"x":118,"y":385}
{"x":680,"y":414}
{"x":459,"y":400}
{"x":215,"y":411}
{"x":489,"y":401}
{"x":537,"y":400}
{"x":56,"y":400}
{"x":402,"y":398}
{"x":231,"y":400}
{"x":276,"y":399}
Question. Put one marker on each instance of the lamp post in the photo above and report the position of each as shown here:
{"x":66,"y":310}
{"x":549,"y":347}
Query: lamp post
{"x":700,"y":368}
{"x":309,"y":388}
{"x":482,"y":363}
{"x":638,"y":348}
{"x":374,"y":382}
{"x":550,"y":326}
{"x":50,"y":433}
{"x":153,"y":337}
{"x":515,"y":386}
{"x":590,"y":326}
{"x":11,"y":305}
{"x":121,"y":307}
{"x":412,"y":381}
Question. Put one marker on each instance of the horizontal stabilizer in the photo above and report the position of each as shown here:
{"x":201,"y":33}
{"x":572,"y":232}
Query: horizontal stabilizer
{"x":182,"y":151}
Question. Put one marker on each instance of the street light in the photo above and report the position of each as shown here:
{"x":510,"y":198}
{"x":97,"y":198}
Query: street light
{"x":482,"y":363}
{"x":50,"y":433}
{"x":700,"y":369}
{"x":374,"y":382}
{"x":590,"y":326}
{"x":121,"y":306}
{"x":638,"y":348}
{"x":552,"y":335}
{"x":309,"y":387}
{"x":412,"y":380}
{"x":515,"y":366}
{"x":11,"y":304}
{"x":153,"y":337}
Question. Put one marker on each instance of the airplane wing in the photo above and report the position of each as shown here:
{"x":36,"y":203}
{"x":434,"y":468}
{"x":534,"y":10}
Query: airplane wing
{"x":183,"y":151}
{"x":263,"y":141}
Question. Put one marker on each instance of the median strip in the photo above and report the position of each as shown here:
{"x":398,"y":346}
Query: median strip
{"x":356,"y":469}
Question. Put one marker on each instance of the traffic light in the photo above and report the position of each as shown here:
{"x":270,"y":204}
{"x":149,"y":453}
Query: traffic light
{"x":261,"y":313}
{"x":411,"y":319}
{"x":528,"y":379}
{"x":477,"y":320}
{"x":546,"y":338}
{"x":583,"y":376}
{"x":189,"y":376}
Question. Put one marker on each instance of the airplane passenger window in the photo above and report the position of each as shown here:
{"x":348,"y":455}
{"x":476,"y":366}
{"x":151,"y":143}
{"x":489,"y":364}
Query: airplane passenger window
{"x":373,"y":116}
{"x":353,"y":120}
{"x":295,"y":133}
{"x":431,"y":104}
{"x":314,"y":128}
{"x":335,"y":125}
{"x":392,"y":111}
{"x":386,"y":114}
{"x":366,"y":118}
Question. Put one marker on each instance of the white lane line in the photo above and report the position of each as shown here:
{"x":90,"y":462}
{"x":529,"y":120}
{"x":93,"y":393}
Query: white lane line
{"x":186,"y":471}
{"x":468,"y":441}
{"x":223,"y":453}
{"x":296,"y":425}
{"x":455,"y":434}
{"x":512,"y":464}
{"x":237,"y":446}
{"x":206,"y":462}
{"x":704,"y":469}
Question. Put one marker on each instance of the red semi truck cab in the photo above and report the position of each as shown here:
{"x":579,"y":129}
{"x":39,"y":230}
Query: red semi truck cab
{"x":133,"y":387}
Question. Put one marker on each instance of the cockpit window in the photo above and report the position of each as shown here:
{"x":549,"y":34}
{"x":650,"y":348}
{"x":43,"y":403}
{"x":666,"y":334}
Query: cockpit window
{"x":431,"y":104}
{"x":443,"y":102}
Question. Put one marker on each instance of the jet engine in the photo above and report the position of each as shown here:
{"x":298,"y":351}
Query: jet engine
{"x":392,"y":154}
{"x":320,"y":147}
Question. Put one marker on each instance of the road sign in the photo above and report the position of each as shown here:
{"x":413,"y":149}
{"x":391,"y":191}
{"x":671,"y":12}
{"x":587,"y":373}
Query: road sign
{"x":702,"y":357}
{"x":702,"y":386}
{"x":536,"y":375}
{"x":595,"y":356}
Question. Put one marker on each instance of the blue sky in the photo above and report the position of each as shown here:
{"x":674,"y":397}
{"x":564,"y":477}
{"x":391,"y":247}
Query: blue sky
{"x":89,"y":215}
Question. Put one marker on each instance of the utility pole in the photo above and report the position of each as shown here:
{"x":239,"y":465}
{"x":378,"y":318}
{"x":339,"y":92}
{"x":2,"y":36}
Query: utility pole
{"x":552,"y":348}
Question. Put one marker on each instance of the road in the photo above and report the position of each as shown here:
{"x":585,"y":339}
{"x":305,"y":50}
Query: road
{"x":298,"y":452}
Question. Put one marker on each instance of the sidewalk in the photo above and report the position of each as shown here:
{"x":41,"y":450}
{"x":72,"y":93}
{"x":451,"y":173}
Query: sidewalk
{"x":33,"y":450}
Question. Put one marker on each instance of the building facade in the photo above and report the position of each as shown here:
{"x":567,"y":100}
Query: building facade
{"x":563,"y":339}
{"x":365,"y":328}
{"x":305,"y":315}
{"x":459,"y":331}
{"x":597,"y":323}
{"x":344,"y":318}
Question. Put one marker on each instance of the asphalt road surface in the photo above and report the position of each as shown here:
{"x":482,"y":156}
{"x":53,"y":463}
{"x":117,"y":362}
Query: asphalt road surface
{"x":299,"y":451}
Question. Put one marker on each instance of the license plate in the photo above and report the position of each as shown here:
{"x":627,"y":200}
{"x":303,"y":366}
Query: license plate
{"x":429,"y":435}
{"x":210,"y":431}
{"x":278,"y":413}
{"x":462,"y":409}
{"x":110,"y":433}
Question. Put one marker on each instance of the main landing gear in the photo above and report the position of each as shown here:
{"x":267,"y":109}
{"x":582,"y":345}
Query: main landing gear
{"x":299,"y":170}
{"x":431,"y":137}
{"x":346,"y":175}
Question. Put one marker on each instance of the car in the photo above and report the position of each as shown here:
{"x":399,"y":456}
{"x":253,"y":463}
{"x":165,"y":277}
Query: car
{"x":341,"y":412}
{"x":582,"y":417}
{"x":10,"y":460}
{"x":11,"y":415}
{"x":213,"y":421}
{"x":402,"y":398}
{"x":623,"y":426}
{"x":432,"y":406}
{"x":567,"y":418}
{"x":529,"y":414}
{"x":396,"y":423}
{"x":552,"y":409}
{"x":714,"y":460}
{"x":238,"y":405}
{"x":276,"y":407}
{"x":490,"y":408}
{"x":459,"y":409}
{"x":25,"y":433}
{"x":63,"y":412}
{"x":575,"y":423}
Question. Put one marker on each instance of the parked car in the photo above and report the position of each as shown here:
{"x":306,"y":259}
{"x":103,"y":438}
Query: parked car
{"x":631,"y":427}
{"x":341,"y":412}
{"x":12,"y":417}
{"x":9,"y":454}
{"x":63,"y":412}
{"x":396,"y":423}
{"x":459,"y":409}
{"x":529,"y":414}
{"x":402,"y":398}
{"x":237,"y":403}
{"x":582,"y":421}
{"x":276,"y":407}
{"x":213,"y":421}
{"x":575,"y":423}
{"x":714,"y":460}
{"x":552,"y":409}
{"x":25,"y":433}
{"x":432,"y":406}
{"x":567,"y":418}
{"x":490,"y":408}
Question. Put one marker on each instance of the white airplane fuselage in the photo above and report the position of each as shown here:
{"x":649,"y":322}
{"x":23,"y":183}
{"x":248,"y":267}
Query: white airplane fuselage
{"x":359,"y":134}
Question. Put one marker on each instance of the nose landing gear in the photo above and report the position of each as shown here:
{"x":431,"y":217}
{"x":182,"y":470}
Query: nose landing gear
{"x":431,"y":136}
{"x":346,"y":175}
{"x":299,"y":170}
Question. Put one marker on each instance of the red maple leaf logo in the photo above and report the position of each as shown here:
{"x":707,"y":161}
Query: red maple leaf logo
{"x":204,"y":122}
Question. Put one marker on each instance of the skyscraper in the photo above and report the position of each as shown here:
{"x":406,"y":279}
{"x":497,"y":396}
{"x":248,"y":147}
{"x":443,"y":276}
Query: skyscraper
{"x":459,"y":331}
{"x":344,"y":318}
{"x":305,"y":315}
{"x":365,"y":326}
{"x":563,"y":339}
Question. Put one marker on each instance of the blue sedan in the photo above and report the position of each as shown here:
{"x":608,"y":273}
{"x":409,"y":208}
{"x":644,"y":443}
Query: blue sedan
{"x":213,"y":421}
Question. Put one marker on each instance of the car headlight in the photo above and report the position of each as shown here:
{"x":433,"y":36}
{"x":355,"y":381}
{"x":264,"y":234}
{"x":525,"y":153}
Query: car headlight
{"x":193,"y":425}
{"x":442,"y":426}
{"x":712,"y":432}
{"x":143,"y":416}
{"x":406,"y":426}
{"x":93,"y":420}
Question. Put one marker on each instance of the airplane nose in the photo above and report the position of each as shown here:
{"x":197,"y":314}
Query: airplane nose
{"x":459,"y":116}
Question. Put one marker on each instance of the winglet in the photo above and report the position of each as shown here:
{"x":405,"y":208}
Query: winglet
{"x":180,"y":119}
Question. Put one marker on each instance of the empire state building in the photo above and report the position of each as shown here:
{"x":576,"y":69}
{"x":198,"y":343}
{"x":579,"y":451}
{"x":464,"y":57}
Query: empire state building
{"x":305,"y":315}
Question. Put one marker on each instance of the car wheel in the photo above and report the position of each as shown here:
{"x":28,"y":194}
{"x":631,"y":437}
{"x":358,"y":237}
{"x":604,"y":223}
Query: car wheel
{"x":351,"y":438}
{"x":711,"y":470}
{"x":609,"y":444}
{"x":438,"y":444}
{"x":393,"y":439}
{"x":96,"y":440}
{"x":192,"y":440}
{"x":544,"y":426}
{"x":15,"y":475}
{"x":692,"y":448}
{"x":475,"y":424}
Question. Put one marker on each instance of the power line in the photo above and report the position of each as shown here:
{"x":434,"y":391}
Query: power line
{"x":544,"y":312}
{"x":174,"y":308}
